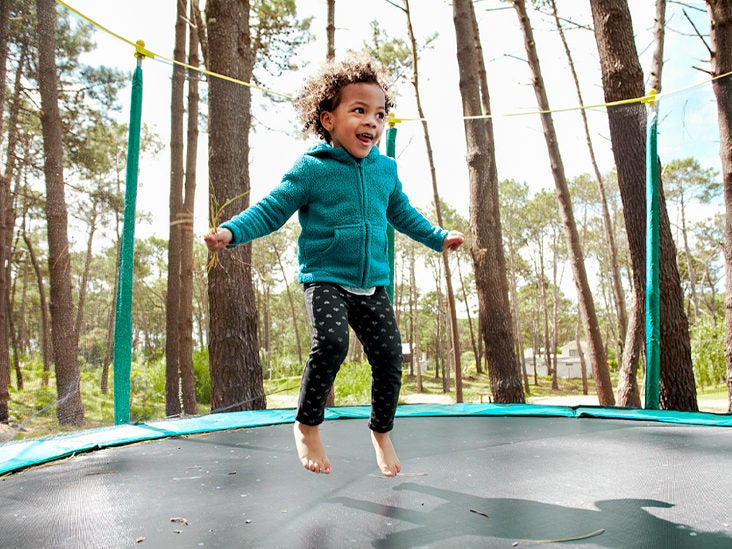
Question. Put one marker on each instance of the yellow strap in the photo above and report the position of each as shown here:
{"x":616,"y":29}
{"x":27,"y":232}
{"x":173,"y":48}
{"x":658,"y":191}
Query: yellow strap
{"x":649,"y":99}
{"x":140,"y":51}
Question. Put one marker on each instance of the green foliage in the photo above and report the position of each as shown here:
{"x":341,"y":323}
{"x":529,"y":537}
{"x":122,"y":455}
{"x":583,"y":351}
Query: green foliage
{"x":203,"y":377}
{"x":353,"y":384}
{"x":282,"y":365}
{"x":147,"y":390}
{"x":707,"y":352}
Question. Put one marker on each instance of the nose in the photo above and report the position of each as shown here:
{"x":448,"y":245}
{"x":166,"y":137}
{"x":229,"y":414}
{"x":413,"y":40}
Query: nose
{"x":373,"y":120}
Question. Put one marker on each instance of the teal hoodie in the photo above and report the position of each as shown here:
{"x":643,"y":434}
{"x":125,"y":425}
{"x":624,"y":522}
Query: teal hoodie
{"x":344,"y":205}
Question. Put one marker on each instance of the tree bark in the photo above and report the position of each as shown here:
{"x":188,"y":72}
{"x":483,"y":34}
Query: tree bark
{"x":588,"y":316}
{"x":330,"y":30}
{"x":185,"y":319}
{"x":485,"y":223}
{"x":617,"y":284}
{"x":622,"y":79}
{"x":69,"y":410}
{"x":173,"y":297}
{"x":236,"y":371}
{"x":5,"y":227}
{"x":720,"y":17}
{"x":454,"y":333}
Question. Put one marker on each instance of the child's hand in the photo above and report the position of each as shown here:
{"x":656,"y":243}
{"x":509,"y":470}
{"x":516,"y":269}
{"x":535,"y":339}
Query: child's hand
{"x":453,"y":241}
{"x":218,"y":239}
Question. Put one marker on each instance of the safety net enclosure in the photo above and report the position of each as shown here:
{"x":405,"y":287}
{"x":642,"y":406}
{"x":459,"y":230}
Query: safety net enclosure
{"x":473,"y":475}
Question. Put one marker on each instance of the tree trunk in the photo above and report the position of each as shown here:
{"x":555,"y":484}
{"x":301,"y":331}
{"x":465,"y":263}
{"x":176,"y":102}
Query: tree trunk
{"x":5,"y":227}
{"x":617,"y":284}
{"x":69,"y":410}
{"x":454,"y":333}
{"x":330,"y":30}
{"x":291,"y":302}
{"x":623,"y":79}
{"x":109,"y":354}
{"x":588,"y":316}
{"x":414,"y":301}
{"x":87,"y":267}
{"x":690,"y":271}
{"x":659,"y":34}
{"x":720,"y":17}
{"x":236,"y":371}
{"x":173,"y":297}
{"x":471,"y":330}
{"x":46,"y":349}
{"x":485,"y":223}
{"x":185,"y":320}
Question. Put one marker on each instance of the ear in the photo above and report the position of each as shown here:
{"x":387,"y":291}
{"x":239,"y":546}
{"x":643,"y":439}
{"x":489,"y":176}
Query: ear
{"x":326,"y":119}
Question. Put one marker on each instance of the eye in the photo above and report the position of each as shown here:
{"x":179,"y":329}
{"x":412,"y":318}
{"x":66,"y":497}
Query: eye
{"x":381,"y":115}
{"x":359,"y":110}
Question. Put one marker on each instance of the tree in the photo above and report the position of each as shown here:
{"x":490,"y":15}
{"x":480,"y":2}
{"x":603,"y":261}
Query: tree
{"x":588,"y":316}
{"x":617,"y":285}
{"x":513,"y":197}
{"x":236,"y":371}
{"x":720,"y":17}
{"x":455,"y":338}
{"x":185,"y":318}
{"x":172,"y":298}
{"x":70,"y":410}
{"x":4,"y":229}
{"x":622,"y":79}
{"x":486,"y":249}
{"x":687,"y":182}
{"x":179,"y":315}
{"x":541,"y":216}
{"x":330,"y":30}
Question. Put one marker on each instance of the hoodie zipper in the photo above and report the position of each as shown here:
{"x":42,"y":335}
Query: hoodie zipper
{"x":364,"y":266}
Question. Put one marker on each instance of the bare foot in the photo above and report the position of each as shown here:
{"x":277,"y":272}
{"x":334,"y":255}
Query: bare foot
{"x":309,"y":448}
{"x":386,"y":456}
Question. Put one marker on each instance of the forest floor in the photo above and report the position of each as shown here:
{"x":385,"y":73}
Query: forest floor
{"x":476,"y":389}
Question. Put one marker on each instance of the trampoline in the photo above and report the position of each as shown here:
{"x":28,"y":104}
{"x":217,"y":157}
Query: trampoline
{"x":473,"y":476}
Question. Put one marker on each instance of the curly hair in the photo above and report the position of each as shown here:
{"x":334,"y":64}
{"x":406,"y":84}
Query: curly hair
{"x":322,"y":92}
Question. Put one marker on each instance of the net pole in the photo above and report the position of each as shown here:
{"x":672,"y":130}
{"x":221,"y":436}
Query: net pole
{"x":653,"y":303}
{"x":123,"y":312}
{"x":391,"y":132}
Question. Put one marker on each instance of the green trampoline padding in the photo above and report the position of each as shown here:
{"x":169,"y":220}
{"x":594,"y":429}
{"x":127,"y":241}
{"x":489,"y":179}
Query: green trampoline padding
{"x":17,"y":455}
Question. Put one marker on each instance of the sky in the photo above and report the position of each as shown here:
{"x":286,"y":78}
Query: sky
{"x":687,"y":116}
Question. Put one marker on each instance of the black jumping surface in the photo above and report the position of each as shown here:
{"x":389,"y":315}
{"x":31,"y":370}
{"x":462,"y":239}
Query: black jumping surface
{"x":466,"y":482}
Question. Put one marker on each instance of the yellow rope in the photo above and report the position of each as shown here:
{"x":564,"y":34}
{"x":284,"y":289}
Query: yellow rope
{"x":140,"y":51}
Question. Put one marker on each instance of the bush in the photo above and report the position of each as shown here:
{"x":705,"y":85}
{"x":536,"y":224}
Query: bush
{"x":147,"y":390}
{"x":707,"y":352}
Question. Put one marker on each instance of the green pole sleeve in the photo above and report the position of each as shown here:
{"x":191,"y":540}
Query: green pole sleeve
{"x":653,"y":304}
{"x":391,"y":151}
{"x":123,"y":313}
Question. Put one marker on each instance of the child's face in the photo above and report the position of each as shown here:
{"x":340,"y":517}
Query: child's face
{"x":357,"y":123}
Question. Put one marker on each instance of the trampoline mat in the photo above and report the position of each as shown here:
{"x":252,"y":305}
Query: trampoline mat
{"x":467,"y":481}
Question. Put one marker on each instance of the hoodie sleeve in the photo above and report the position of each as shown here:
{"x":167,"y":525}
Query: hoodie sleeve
{"x":272,"y":211}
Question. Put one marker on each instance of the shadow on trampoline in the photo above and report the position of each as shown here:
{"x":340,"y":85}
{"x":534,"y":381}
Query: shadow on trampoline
{"x":617,"y":523}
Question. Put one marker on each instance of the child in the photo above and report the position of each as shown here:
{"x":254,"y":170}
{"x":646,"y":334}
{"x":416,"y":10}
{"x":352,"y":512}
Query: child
{"x":345,"y":193}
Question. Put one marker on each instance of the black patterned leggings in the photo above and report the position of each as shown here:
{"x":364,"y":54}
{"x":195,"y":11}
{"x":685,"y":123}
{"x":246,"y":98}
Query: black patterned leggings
{"x":331,"y":310}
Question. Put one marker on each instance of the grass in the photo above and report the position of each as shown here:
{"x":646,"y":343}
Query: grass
{"x":352,"y":387}
{"x":33,"y":410}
